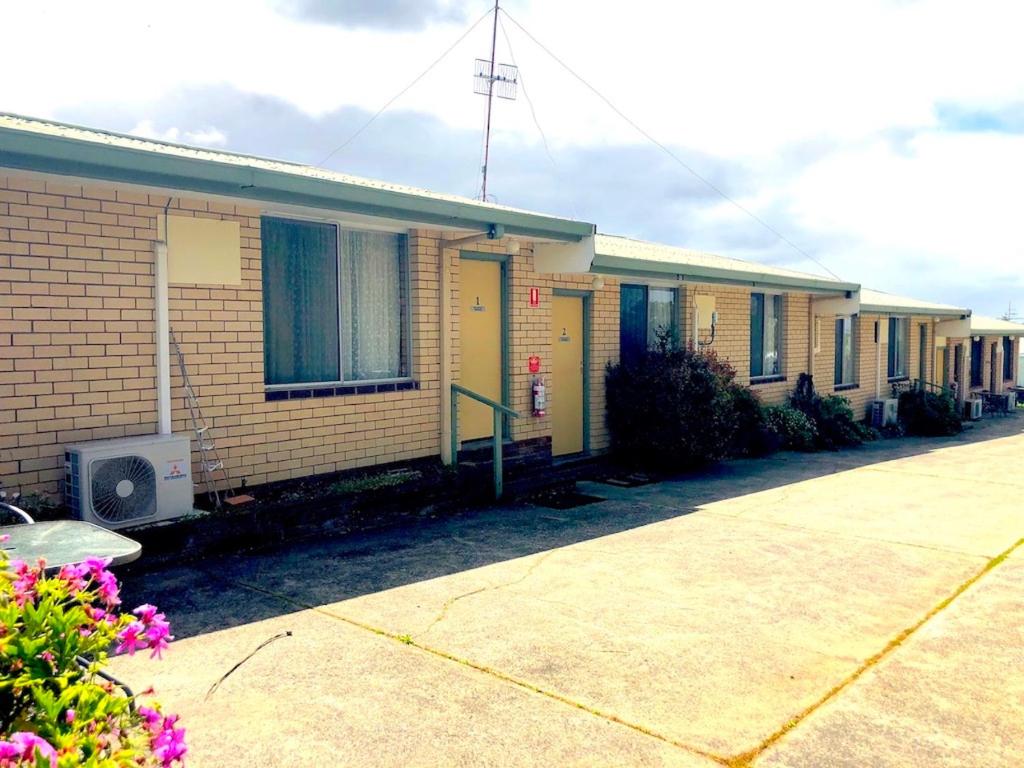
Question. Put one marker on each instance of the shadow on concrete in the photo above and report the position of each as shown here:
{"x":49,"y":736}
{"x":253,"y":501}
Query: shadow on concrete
{"x":228,"y":591}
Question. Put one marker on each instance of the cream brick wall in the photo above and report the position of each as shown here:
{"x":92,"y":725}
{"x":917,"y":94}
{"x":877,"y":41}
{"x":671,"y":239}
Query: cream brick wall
{"x":868,"y":373}
{"x":77,"y":354}
{"x":1000,"y":384}
{"x":732,"y":338}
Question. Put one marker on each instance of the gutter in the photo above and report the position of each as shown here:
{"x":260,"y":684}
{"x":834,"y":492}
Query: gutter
{"x":626,"y":266}
{"x":60,"y":155}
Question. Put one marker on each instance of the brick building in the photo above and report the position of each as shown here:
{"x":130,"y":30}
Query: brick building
{"x":324,"y":319}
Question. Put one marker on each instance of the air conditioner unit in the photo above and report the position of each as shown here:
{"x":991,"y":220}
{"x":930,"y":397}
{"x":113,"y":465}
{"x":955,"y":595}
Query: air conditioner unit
{"x":884,"y":413}
{"x":129,"y":481}
{"x":972,"y":409}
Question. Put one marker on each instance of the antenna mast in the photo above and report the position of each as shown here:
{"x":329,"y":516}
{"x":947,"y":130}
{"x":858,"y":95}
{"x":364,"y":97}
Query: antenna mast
{"x":487,"y":74}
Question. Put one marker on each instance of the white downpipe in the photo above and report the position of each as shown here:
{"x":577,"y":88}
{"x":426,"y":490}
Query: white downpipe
{"x":163,"y":332}
{"x":878,"y":359}
{"x":812,"y":326}
{"x":446,"y":352}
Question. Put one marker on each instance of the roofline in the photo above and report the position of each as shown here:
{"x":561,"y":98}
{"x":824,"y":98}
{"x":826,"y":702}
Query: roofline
{"x":61,"y":155}
{"x":997,"y":332}
{"x":895,"y":309}
{"x":628,"y":266}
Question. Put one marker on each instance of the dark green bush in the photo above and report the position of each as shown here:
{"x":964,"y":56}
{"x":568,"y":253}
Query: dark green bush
{"x":753,"y":435}
{"x":929,"y":414}
{"x":672,"y":409}
{"x":832,"y":416}
{"x":791,"y":428}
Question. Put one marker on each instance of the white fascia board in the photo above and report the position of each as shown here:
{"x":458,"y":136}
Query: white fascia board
{"x":956,"y":329}
{"x":837,"y":306}
{"x":572,"y":258}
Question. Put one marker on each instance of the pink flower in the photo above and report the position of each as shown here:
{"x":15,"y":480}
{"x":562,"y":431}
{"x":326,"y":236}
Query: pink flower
{"x":4,"y":538}
{"x":33,"y":747}
{"x":158,"y":629}
{"x":69,"y":716}
{"x":169,"y":744}
{"x":96,"y":565}
{"x":74,"y":577}
{"x":108,"y":589}
{"x":132,"y":638}
{"x":25,"y":584}
{"x":151,"y":718}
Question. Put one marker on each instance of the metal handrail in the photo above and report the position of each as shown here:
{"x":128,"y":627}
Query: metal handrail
{"x":485,"y":400}
{"x":25,"y":516}
{"x":500,"y":412}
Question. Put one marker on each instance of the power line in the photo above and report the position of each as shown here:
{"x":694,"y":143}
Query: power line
{"x":668,"y":151}
{"x":402,"y":92}
{"x":533,"y":114}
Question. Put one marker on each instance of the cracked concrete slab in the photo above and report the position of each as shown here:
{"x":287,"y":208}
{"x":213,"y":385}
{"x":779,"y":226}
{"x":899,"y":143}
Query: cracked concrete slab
{"x":673,"y":624}
{"x":951,"y":695}
{"x":334,"y":694}
{"x":708,"y":611}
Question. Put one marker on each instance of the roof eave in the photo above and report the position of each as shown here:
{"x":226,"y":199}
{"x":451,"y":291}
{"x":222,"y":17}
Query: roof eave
{"x":624,"y":266}
{"x":884,"y":309}
{"x":44,"y":153}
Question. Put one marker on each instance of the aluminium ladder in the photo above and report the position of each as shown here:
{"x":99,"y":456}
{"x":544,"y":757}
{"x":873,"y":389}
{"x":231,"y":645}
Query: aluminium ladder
{"x":210,"y":465}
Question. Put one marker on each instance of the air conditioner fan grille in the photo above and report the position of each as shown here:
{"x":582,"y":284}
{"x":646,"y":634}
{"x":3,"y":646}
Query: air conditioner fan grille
{"x":123,"y":488}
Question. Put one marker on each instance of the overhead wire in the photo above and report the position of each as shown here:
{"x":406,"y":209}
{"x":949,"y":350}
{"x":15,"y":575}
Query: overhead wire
{"x":404,"y":90}
{"x":533,"y":114}
{"x":692,"y":171}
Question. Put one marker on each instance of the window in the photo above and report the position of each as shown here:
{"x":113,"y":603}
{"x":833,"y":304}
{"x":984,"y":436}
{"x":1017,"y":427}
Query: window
{"x":335,"y":303}
{"x":1007,"y":358}
{"x":922,"y":352}
{"x":645,"y":314}
{"x":765,"y":335}
{"x":977,"y":362}
{"x":899,"y":332}
{"x":845,"y":373}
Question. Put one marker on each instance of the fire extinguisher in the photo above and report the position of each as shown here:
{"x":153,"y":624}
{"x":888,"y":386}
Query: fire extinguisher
{"x":540,"y":397}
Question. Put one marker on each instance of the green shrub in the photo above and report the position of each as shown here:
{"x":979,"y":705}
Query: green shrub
{"x":791,"y":428}
{"x":753,"y":435}
{"x":929,"y":414}
{"x":671,"y":409}
{"x":832,"y":416}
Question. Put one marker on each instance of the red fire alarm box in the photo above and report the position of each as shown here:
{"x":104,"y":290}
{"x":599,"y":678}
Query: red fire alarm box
{"x":534,"y":363}
{"x":535,"y":297}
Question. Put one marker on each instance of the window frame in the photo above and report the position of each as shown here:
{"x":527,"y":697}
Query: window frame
{"x":405,"y":288}
{"x":763,"y":378}
{"x":844,"y":381}
{"x":977,"y":363}
{"x":1007,"y":358}
{"x":902,"y":351}
{"x":647,"y":287}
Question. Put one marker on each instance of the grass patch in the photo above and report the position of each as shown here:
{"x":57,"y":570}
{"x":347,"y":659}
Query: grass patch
{"x":378,"y":482}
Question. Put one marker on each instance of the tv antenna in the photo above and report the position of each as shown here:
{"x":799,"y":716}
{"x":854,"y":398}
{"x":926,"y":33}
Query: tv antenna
{"x":490,"y":80}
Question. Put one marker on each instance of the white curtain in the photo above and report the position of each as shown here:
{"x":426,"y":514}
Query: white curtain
{"x":372,"y":298}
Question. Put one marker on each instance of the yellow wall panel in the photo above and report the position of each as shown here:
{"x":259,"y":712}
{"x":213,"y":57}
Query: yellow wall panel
{"x":203,"y":251}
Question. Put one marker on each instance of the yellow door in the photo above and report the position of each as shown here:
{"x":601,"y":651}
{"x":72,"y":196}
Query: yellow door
{"x":480,"y":332}
{"x":567,"y":375}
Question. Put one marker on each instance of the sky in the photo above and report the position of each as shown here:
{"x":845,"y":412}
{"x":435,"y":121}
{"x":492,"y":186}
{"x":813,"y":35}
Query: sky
{"x":883,"y":138}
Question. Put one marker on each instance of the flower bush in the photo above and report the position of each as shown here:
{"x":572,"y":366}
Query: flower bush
{"x":793,"y":429}
{"x":56,"y":710}
{"x":832,"y":416}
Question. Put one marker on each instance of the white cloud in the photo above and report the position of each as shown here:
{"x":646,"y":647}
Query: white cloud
{"x":203,"y":137}
{"x":749,"y":82}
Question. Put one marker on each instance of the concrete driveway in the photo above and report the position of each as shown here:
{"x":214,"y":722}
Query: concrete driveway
{"x":857,"y":609}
